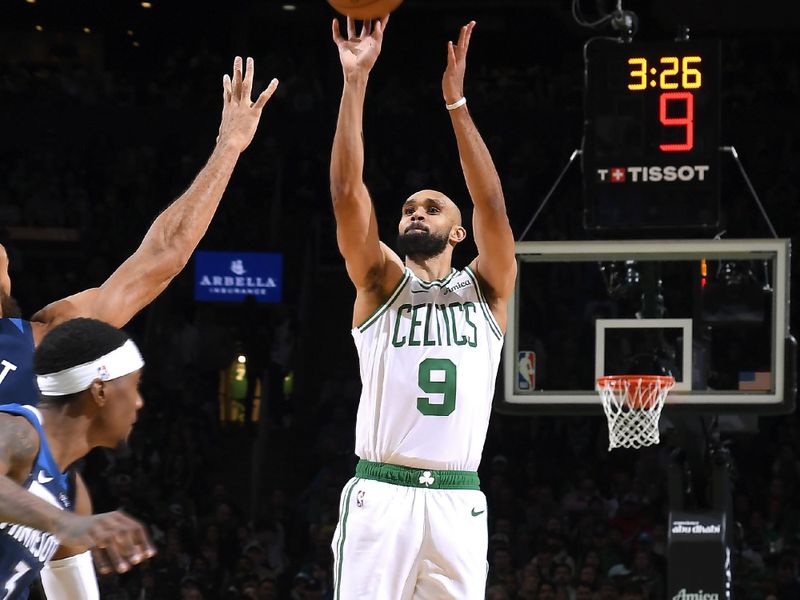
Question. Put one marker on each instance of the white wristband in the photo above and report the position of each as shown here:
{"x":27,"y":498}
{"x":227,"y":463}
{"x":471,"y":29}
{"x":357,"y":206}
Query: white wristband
{"x":71,"y":578}
{"x":460,"y":102}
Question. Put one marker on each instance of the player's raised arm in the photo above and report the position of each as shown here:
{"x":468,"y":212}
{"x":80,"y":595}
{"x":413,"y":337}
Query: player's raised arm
{"x":496,"y":263}
{"x":173,"y":236}
{"x":356,"y":224}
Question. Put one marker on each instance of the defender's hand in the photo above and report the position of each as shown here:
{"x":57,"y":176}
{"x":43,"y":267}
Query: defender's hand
{"x":453,"y":79}
{"x":117,"y":541}
{"x":358,"y":53}
{"x":240,"y":116}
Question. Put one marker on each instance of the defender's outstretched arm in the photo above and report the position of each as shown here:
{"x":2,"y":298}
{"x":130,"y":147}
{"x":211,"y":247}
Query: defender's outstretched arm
{"x":173,"y":236}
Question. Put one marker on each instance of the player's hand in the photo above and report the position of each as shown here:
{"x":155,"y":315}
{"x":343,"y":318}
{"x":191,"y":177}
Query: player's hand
{"x":117,"y":541}
{"x":453,"y":79}
{"x":358,"y":53}
{"x":240,"y":115}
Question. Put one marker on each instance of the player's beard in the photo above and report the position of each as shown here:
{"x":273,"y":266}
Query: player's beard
{"x":421,"y":245}
{"x":9,"y":306}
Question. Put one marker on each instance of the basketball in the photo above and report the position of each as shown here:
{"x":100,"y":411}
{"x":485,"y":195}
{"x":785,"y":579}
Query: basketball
{"x":364,"y":10}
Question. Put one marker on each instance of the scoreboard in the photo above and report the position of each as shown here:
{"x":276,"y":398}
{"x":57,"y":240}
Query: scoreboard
{"x":651,"y":135}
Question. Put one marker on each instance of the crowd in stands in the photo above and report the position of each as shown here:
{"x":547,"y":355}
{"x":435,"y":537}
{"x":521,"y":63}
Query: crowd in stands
{"x":99,"y":150}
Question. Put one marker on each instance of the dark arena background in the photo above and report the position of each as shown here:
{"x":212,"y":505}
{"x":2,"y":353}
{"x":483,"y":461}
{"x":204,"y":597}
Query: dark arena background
{"x":108,"y":109}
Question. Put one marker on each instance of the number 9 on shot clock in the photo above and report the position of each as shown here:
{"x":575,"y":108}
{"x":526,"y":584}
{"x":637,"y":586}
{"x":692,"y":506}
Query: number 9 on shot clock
{"x":651,"y":135}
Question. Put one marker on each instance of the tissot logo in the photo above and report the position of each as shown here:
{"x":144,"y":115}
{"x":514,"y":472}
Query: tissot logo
{"x":698,"y":595}
{"x":653,"y":174}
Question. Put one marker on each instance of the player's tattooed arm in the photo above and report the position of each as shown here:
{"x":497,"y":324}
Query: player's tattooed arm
{"x":173,"y":236}
{"x":122,"y":540}
{"x":19,"y":444}
{"x":496,"y":263}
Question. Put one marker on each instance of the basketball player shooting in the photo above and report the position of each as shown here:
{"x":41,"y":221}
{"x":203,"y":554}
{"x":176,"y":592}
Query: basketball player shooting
{"x":162,"y":254}
{"x":413,"y":519}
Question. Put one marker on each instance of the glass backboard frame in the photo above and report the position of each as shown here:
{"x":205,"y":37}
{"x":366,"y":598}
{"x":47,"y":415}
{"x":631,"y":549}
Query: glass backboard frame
{"x":682,"y":383}
{"x":779,"y":400}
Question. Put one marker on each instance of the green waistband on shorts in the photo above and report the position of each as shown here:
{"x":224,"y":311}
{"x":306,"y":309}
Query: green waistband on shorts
{"x":418,"y":478}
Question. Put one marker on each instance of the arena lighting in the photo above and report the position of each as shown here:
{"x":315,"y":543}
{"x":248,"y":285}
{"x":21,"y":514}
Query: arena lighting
{"x":241,"y":359}
{"x":703,"y":273}
{"x":39,"y":28}
{"x":31,"y":1}
{"x":87,"y":30}
{"x":130,"y":32}
{"x":147,"y":5}
{"x":289,"y":7}
{"x":632,"y":276}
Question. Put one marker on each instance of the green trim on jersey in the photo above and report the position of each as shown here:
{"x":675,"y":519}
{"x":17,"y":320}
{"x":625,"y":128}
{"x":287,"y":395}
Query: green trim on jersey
{"x":340,"y":553}
{"x":382,"y":308}
{"x":418,"y":478}
{"x":493,"y":325}
{"x":440,"y":282}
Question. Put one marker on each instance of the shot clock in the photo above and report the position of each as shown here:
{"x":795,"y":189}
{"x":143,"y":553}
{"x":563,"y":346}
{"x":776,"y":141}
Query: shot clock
{"x":651,"y":135}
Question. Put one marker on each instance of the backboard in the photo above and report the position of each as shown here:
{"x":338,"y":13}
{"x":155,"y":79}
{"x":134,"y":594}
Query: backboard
{"x":711,"y":313}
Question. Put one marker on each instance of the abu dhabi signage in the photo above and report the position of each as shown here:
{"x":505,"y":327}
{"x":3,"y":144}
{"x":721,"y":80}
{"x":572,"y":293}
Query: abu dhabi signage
{"x":232,"y":276}
{"x":698,"y":556}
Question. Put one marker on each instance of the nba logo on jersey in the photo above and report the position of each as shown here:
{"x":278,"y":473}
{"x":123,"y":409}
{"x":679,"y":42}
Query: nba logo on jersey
{"x":526,"y":371}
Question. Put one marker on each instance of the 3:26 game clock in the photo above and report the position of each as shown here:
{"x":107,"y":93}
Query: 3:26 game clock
{"x":651,"y":135}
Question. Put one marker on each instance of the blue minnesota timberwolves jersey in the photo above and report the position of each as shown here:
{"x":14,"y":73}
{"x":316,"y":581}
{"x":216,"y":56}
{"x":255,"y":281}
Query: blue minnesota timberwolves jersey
{"x":24,"y":550}
{"x":17,"y":382}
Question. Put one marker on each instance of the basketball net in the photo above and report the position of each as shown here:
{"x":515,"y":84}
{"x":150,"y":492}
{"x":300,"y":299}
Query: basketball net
{"x":633,"y":404}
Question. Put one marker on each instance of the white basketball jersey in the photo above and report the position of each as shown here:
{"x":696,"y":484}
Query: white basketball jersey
{"x":429,"y":359}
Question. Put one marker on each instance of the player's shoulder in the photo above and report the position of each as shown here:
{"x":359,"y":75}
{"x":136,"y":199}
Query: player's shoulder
{"x":15,"y":325}
{"x":55,"y":313}
{"x":19,"y":439}
{"x":38,"y":330}
{"x":19,"y":329}
{"x":382,"y":281}
{"x":493,"y":293}
{"x":393,"y":272}
{"x":18,"y":419}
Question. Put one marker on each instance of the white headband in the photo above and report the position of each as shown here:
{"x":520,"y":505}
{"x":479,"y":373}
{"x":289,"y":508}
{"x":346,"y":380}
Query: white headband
{"x":117,"y":363}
